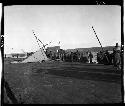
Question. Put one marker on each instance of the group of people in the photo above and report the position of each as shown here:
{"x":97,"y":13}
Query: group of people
{"x":103,"y":57}
{"x":71,"y":56}
{"x":114,"y":58}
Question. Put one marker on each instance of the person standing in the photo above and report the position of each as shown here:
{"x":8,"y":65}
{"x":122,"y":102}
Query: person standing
{"x":90,"y":56}
{"x":107,"y":58}
{"x":77,"y":56}
{"x":99,"y":58}
{"x":71,"y":56}
{"x":113,"y":57}
{"x":86,"y":57}
{"x":50,"y":54}
{"x":117,"y":56}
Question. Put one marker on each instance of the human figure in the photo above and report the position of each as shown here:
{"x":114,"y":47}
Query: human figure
{"x":117,"y":56}
{"x":102,"y":57}
{"x":71,"y":56}
{"x":86,"y":57}
{"x":77,"y":56}
{"x":98,"y":58}
{"x":60,"y":54}
{"x":50,"y":54}
{"x":107,"y":58}
{"x":54,"y":56}
{"x":63,"y":55}
{"x":90,"y":56}
{"x":113,"y":57}
{"x":117,"y":47}
{"x":81,"y":54}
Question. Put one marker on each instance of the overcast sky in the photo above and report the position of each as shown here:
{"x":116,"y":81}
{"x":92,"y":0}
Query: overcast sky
{"x":69,"y":24}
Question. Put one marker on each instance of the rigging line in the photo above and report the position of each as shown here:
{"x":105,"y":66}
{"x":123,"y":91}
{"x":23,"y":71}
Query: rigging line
{"x":100,"y":43}
{"x":97,"y":38}
{"x":38,"y":43}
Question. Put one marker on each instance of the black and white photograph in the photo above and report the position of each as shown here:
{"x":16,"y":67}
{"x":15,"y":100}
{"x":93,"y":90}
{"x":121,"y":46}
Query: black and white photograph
{"x":63,"y":54}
